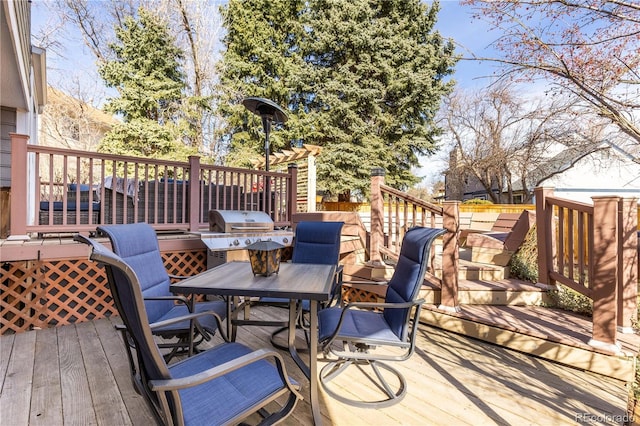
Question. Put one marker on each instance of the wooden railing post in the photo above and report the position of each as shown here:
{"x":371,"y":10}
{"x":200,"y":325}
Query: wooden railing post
{"x":292,"y":188}
{"x":377,"y":216}
{"x":450,"y":256}
{"x":605,"y":247}
{"x":194,"y":195}
{"x":627,"y":264}
{"x":544,"y":234}
{"x":19,"y":189}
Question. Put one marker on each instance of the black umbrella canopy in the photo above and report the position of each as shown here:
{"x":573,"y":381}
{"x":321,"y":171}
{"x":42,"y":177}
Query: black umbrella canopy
{"x":265,"y":107}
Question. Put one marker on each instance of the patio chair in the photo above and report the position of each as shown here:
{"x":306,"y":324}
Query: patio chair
{"x":314,"y":242}
{"x":221,"y":385}
{"x":365,"y":329}
{"x":137,"y":245}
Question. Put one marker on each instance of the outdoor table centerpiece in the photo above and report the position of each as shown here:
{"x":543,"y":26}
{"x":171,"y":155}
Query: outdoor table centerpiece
{"x":265,"y":257}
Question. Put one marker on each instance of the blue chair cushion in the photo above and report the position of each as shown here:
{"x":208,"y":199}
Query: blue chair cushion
{"x":137,"y":244}
{"x":58,"y":206}
{"x":83,"y":187}
{"x":366,"y":325}
{"x":208,"y":321}
{"x":231,"y":393}
{"x":314,"y":242}
{"x":317,"y":242}
{"x":408,"y":276}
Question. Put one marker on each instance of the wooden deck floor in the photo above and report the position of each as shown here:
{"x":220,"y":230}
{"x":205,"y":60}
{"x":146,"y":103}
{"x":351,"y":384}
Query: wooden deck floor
{"x":79,"y":375}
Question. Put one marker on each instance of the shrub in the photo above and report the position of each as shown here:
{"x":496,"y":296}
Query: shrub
{"x":524,"y":263}
{"x":524,"y":266}
{"x":476,"y":201}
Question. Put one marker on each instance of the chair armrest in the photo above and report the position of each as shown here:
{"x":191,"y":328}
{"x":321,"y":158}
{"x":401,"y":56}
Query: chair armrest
{"x":383,"y":305}
{"x":369,"y":305}
{"x":227,"y":367}
{"x":180,"y":299}
{"x":194,"y":317}
{"x":367,"y":282}
{"x":177,"y":277}
{"x":337,"y":285}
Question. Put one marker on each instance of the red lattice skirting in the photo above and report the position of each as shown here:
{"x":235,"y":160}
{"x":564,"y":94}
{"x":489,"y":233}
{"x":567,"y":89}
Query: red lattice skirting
{"x":42,"y":294}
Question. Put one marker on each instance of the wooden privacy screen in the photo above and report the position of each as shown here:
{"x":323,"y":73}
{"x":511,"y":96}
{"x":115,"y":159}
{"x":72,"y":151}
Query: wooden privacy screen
{"x":37,"y":294}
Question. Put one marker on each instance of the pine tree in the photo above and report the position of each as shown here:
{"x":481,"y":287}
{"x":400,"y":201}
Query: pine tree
{"x":261,"y":59}
{"x":146,"y":72}
{"x":361,"y":78}
{"x":379,"y":76}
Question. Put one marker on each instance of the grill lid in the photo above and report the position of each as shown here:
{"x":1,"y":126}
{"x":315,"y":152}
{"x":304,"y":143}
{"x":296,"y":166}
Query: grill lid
{"x":230,"y":221}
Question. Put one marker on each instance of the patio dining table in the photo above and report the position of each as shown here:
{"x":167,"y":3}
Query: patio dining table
{"x":294,"y":281}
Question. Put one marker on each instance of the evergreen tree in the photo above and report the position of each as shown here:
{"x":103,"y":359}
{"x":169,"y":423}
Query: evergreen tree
{"x":379,"y":76}
{"x":261,"y":59}
{"x":146,"y":72}
{"x":362,"y":78}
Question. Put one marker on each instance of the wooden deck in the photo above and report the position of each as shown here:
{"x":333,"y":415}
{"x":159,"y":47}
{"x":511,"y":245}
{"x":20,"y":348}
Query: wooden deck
{"x":79,"y":375}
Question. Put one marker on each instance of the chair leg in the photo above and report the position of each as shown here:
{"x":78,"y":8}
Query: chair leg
{"x":285,"y":347}
{"x":335,"y":368}
{"x":300,"y":325}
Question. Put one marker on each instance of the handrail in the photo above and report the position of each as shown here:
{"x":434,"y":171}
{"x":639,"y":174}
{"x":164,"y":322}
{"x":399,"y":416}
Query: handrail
{"x":573,"y":264}
{"x":592,"y":249}
{"x":404,"y":211}
{"x":393,"y":212}
{"x":411,"y":199}
{"x":74,"y":191}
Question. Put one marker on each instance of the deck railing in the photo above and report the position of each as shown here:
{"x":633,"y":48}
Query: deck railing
{"x":592,"y":249}
{"x":55,"y":190}
{"x":394,"y":212}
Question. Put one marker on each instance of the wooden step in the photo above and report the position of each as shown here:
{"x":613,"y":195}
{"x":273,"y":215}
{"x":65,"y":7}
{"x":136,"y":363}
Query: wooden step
{"x":468,"y":270}
{"x":351,"y":250}
{"x":361,"y":271}
{"x":553,"y":334}
{"x":470,"y":292}
{"x":510,"y":292}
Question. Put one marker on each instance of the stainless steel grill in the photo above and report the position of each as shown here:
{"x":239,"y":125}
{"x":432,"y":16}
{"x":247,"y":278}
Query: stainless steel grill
{"x":234,"y":221}
{"x":232,"y":230}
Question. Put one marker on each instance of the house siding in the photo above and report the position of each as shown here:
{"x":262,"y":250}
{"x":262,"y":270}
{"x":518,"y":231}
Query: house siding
{"x":7,"y":125}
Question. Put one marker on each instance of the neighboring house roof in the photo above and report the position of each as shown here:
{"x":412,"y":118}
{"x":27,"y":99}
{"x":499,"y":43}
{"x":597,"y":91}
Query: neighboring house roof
{"x":71,"y":123}
{"x":70,"y":103}
{"x":23,"y":82}
{"x":604,"y":166}
{"x":577,"y":172}
{"x":557,"y":164}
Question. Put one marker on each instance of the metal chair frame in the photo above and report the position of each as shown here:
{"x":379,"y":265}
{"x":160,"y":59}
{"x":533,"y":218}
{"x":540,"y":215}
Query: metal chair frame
{"x":358,"y":349}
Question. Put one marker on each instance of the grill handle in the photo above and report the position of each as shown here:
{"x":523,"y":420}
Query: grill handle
{"x":251,"y":228}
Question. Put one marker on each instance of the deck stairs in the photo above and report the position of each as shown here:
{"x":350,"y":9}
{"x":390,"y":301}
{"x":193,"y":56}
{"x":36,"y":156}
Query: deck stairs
{"x":505,"y":311}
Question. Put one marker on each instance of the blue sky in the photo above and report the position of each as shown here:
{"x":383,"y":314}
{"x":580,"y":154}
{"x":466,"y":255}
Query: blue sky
{"x":471,"y":35}
{"x":454,"y":21}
